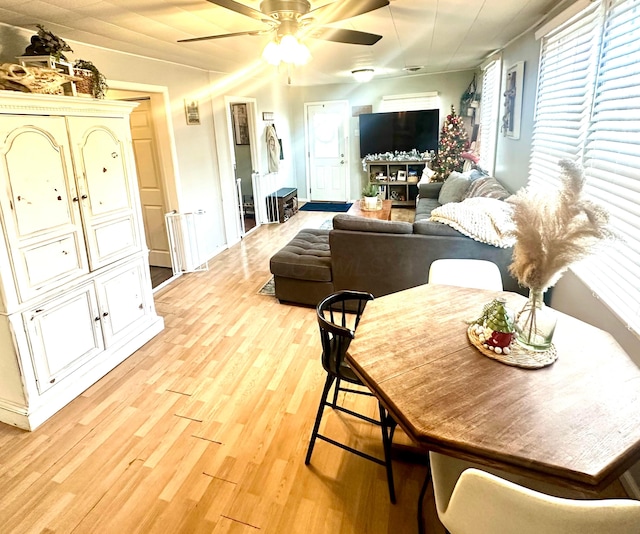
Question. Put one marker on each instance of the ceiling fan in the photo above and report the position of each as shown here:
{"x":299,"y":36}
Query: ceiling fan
{"x":296,"y":18}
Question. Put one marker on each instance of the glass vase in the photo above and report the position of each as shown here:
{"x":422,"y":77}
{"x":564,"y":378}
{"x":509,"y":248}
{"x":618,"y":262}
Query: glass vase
{"x":535,"y":323}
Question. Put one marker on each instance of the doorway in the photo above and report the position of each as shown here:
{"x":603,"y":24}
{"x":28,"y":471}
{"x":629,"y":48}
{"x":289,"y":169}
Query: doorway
{"x":328,"y":168}
{"x":240,"y":114}
{"x":151,"y":139}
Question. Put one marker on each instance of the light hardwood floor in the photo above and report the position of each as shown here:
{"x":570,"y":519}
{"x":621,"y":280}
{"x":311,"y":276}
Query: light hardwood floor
{"x":205,"y":428}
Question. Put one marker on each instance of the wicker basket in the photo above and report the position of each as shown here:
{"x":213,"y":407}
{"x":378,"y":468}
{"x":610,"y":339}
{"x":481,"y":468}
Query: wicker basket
{"x":85,"y":84}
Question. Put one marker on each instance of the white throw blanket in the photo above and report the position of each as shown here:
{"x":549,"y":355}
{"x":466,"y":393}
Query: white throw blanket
{"x":484,"y":219}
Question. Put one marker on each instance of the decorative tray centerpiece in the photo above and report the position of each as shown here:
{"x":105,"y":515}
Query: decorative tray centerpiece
{"x":493,"y":334}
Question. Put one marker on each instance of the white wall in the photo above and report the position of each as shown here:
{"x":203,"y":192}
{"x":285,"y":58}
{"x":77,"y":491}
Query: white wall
{"x":450,"y":87}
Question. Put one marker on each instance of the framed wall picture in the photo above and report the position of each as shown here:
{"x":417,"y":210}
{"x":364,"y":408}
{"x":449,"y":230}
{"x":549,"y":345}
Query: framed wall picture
{"x":513,"y":101}
{"x":402,"y":176}
{"x":192,"y":112}
{"x":240,"y":124}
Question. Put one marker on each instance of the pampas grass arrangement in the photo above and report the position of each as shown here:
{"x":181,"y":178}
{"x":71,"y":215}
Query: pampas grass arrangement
{"x":553,"y":232}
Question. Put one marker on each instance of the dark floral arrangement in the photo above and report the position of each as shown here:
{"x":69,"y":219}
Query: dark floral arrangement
{"x":46,"y":43}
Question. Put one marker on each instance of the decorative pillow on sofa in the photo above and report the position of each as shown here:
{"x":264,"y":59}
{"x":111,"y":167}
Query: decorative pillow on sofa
{"x":454,"y":188}
{"x":487,"y":187}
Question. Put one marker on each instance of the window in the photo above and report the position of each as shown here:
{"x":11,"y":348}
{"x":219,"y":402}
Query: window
{"x":588,"y":109}
{"x":489,"y":104}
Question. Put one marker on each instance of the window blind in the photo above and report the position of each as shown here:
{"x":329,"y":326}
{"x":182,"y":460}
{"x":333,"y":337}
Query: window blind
{"x":612,"y":162}
{"x":410,"y":102}
{"x":564,"y":97}
{"x":489,"y":109}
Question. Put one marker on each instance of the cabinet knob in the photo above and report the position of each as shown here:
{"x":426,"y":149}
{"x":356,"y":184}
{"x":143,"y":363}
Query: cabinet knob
{"x":105,"y":314}
{"x":84,"y":196}
{"x":75,"y":199}
{"x":114,"y":155}
{"x":96,"y":319}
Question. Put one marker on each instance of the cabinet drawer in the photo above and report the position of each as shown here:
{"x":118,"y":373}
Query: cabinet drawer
{"x":63,"y":334}
{"x":49,"y":263}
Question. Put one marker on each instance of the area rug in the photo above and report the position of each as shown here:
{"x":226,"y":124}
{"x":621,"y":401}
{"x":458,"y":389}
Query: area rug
{"x":327,"y":206}
{"x":268,"y":289}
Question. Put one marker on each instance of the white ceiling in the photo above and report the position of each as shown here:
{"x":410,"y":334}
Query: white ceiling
{"x":440,"y":35}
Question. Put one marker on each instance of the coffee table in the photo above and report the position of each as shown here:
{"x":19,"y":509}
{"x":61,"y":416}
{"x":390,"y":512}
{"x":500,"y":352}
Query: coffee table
{"x":383,"y":214}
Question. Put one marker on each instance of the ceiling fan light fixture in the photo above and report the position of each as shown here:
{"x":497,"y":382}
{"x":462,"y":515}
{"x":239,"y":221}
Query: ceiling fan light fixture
{"x":363,"y":75}
{"x":288,"y":50}
{"x":271,"y":53}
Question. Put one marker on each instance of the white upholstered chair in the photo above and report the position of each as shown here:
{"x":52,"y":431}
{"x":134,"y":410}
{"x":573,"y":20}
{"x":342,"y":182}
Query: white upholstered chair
{"x":479,"y":274}
{"x":477,"y":502}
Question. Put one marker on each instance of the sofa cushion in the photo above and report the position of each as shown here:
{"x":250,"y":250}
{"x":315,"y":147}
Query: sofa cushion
{"x":487,"y":187}
{"x":429,"y":189}
{"x":424,"y":208}
{"x":305,"y":257}
{"x":363,"y":224}
{"x":454,"y":188}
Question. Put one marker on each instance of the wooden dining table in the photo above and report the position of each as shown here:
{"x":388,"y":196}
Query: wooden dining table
{"x":575,"y":423}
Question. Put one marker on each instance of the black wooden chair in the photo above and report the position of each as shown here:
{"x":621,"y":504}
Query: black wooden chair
{"x":338,"y":317}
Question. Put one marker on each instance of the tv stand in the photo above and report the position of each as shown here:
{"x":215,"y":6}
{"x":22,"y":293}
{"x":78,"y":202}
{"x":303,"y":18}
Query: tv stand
{"x":397,"y":180}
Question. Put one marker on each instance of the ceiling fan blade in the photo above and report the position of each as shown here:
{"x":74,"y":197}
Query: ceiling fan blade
{"x":339,"y":35}
{"x":254,"y":32}
{"x":343,"y":10}
{"x":242,"y":9}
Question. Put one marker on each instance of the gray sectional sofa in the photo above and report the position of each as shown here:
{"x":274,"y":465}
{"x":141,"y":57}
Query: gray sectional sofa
{"x":380,"y":257}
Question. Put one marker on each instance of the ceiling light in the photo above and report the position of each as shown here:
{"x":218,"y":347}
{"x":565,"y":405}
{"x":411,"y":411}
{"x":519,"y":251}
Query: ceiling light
{"x":414,"y":68}
{"x":288,"y":50}
{"x":363,"y":75}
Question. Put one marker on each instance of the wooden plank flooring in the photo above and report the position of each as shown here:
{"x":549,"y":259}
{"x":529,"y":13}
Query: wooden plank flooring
{"x":205,"y":428}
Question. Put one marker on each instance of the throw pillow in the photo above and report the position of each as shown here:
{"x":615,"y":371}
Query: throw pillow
{"x":487,"y":187}
{"x":454,"y":188}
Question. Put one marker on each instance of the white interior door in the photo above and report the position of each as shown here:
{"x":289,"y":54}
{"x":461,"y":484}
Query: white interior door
{"x":328,"y":164}
{"x":152,"y":196}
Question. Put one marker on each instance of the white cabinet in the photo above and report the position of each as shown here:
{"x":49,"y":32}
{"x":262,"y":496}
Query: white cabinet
{"x":74,"y":278}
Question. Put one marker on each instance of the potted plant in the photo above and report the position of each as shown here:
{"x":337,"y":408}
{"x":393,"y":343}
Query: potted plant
{"x":370,"y":194}
{"x":93,"y":81}
{"x":46,"y":43}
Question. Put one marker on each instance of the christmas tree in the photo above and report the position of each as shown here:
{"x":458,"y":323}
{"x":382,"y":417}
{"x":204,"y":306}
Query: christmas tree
{"x":453,"y":142}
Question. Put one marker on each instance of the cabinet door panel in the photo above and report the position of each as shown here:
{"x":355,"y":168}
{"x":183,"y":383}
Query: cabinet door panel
{"x":40,"y":206}
{"x":113,"y":236}
{"x":63,"y":334}
{"x":46,"y":262}
{"x":107,"y":186}
{"x":122,"y":299}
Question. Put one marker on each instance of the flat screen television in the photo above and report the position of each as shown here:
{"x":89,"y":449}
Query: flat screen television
{"x":399,"y":130}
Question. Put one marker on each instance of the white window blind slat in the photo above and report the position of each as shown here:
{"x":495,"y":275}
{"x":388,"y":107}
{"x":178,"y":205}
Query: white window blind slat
{"x":489,"y":103}
{"x":611,"y":159}
{"x":564,"y":96}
